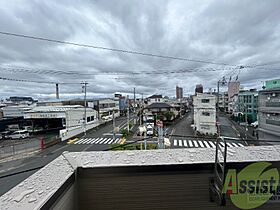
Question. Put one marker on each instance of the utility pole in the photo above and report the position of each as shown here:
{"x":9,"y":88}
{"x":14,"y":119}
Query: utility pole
{"x":246,"y":122}
{"x":128,"y":113}
{"x":85,"y":105}
{"x":134,"y":105}
{"x":114,"y":125}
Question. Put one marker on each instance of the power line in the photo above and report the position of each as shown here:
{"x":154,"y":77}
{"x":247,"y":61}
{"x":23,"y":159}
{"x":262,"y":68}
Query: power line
{"x":113,"y":49}
{"x":35,"y":81}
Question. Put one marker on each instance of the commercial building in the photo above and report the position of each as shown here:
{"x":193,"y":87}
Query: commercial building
{"x":106,"y":107}
{"x":269,"y":111}
{"x":233,"y":89}
{"x":179,"y":92}
{"x":205,"y":113}
{"x":16,"y":111}
{"x":247,"y":105}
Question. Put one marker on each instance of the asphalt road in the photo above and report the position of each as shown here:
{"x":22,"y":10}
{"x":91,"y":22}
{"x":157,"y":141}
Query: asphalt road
{"x":15,"y":171}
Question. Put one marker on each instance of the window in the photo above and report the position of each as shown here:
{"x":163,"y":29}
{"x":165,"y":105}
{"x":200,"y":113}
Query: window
{"x":206,"y":113}
{"x":205,"y":100}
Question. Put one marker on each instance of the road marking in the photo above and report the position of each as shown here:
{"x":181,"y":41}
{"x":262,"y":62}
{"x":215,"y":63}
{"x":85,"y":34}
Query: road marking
{"x":212,"y":144}
{"x":190,"y":143}
{"x":234,"y":144}
{"x":107,"y":141}
{"x":241,"y":145}
{"x":77,"y":142}
{"x":175,"y":143}
{"x":180,"y":143}
{"x":110,"y":142}
{"x":116,"y":141}
{"x":101,"y":141}
{"x":195,"y":143}
{"x":223,"y":144}
{"x":207,"y":145}
{"x":83,"y":140}
{"x":229,"y":145}
{"x":185,"y":143}
{"x":200,"y":143}
{"x":87,"y":141}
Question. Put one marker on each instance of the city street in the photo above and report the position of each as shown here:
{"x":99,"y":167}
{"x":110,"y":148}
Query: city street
{"x":40,"y":159}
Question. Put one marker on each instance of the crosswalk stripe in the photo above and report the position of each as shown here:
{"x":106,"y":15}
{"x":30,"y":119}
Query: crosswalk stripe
{"x":77,"y":142}
{"x":195,"y":143}
{"x":102,"y":142}
{"x":180,"y":143}
{"x":107,"y":142}
{"x":207,"y":145}
{"x":212,"y":144}
{"x":222,"y":144}
{"x":185,"y":143}
{"x":175,"y":142}
{"x":94,"y":140}
{"x":241,"y":145}
{"x":200,"y":143}
{"x":102,"y":139}
{"x":85,"y":139}
{"x":116,"y":141}
{"x":88,"y":141}
{"x":234,"y":144}
{"x":110,"y":142}
{"x":97,"y":140}
{"x":229,"y":144}
{"x":190,"y":143}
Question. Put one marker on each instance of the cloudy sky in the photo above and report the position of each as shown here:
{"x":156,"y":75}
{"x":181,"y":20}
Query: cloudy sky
{"x":236,"y":33}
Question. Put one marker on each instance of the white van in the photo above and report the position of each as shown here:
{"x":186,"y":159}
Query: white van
{"x":150,"y":130}
{"x":21,"y":134}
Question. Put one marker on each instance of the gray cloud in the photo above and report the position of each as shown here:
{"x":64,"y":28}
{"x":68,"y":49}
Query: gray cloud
{"x":234,"y":32}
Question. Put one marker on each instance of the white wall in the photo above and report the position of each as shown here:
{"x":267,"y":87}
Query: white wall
{"x":205,"y":113}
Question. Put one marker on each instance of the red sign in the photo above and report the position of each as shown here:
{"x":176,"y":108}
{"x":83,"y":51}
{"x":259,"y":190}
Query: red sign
{"x":159,"y":123}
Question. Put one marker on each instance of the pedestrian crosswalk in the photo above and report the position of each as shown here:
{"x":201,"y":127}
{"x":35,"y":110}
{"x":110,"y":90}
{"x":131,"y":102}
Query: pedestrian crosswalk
{"x":98,"y":141}
{"x":202,"y":143}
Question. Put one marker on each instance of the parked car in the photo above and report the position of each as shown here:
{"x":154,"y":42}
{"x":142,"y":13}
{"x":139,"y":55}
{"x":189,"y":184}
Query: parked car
{"x":21,"y":134}
{"x":6,"y":134}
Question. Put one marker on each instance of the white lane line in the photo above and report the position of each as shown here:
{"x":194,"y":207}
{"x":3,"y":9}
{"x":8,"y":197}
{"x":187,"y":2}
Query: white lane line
{"x":201,"y":144}
{"x":175,"y":143}
{"x":100,"y":139}
{"x":212,"y":144}
{"x":241,"y":145}
{"x":116,"y":140}
{"x":229,"y":145}
{"x":195,"y":143}
{"x":190,"y":143}
{"x":207,"y":145}
{"x":185,"y":143}
{"x":180,"y":143}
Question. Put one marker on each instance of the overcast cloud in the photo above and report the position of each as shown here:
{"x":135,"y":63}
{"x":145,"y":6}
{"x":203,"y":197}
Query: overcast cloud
{"x":233,"y":32}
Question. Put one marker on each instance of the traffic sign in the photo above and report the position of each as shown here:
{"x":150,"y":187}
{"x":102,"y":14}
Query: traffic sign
{"x":159,"y":123}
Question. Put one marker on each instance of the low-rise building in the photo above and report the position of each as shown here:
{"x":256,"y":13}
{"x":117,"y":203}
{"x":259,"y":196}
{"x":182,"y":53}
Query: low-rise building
{"x":155,"y":99}
{"x":269,"y":111}
{"x":247,"y":105}
{"x":15,"y":111}
{"x":205,"y":113}
{"x":106,"y":107}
